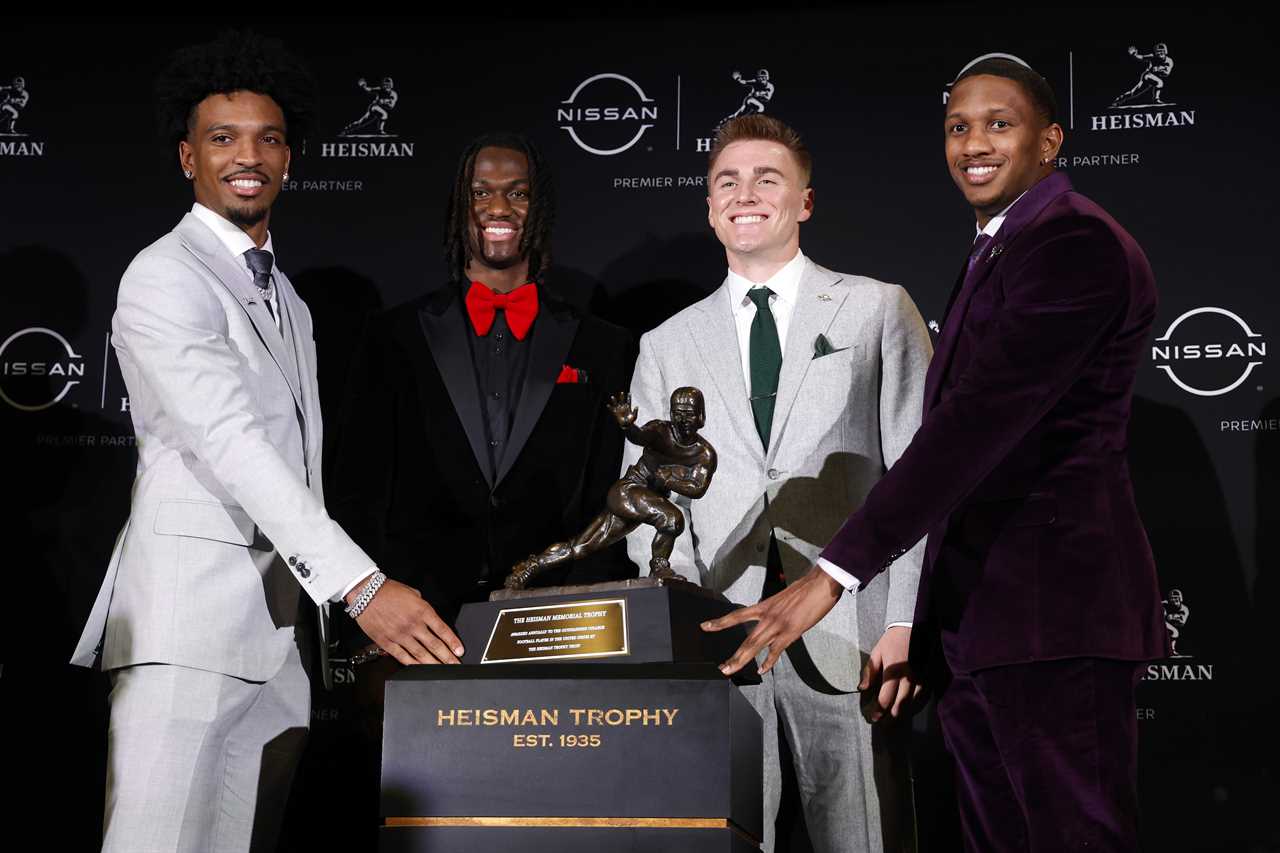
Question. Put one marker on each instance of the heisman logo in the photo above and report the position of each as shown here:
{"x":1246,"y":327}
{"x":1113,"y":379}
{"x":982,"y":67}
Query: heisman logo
{"x":371,"y":125}
{"x":29,"y":359}
{"x":1151,"y":81}
{"x":1147,"y":93}
{"x":1219,"y":360}
{"x":759,"y":93}
{"x":1176,"y":616}
{"x":593,"y":110}
{"x":13,"y":100}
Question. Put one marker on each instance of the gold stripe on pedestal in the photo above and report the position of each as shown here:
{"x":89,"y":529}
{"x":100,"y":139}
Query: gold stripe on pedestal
{"x":613,"y":822}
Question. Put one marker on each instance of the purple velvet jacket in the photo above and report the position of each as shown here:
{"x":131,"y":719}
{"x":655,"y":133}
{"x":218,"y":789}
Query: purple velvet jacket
{"x":1018,"y":473}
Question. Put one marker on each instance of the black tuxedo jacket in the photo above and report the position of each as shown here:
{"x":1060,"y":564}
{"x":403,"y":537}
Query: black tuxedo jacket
{"x":410,"y":485}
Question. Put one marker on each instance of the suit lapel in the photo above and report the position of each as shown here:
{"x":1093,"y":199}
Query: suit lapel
{"x":287,"y":301}
{"x":205,"y":246}
{"x":716,"y":337}
{"x":810,"y":317}
{"x":297,"y":349}
{"x":553,"y":333}
{"x":445,"y":330}
{"x":1023,"y":212}
{"x":954,"y":319}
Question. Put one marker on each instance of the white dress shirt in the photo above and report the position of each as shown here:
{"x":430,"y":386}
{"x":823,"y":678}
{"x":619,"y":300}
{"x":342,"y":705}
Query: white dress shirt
{"x":785,"y":285}
{"x":993,"y":225}
{"x":237,"y":243}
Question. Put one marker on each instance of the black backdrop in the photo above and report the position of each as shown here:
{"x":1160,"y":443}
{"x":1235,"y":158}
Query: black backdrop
{"x":84,"y":185}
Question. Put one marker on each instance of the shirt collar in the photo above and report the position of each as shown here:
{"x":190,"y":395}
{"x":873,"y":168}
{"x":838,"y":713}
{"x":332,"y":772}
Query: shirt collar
{"x":228,"y":233}
{"x":785,"y":283}
{"x":993,"y":225}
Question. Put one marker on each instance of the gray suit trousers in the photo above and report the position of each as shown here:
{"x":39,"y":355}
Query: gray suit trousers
{"x":853,"y":777}
{"x":198,"y":761}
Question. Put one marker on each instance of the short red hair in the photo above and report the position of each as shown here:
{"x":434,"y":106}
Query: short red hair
{"x":765,"y":128}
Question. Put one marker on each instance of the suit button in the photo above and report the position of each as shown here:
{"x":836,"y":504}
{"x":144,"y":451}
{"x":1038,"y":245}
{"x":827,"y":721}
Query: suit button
{"x":495,"y":501}
{"x":760,"y":548}
{"x":774,"y":473}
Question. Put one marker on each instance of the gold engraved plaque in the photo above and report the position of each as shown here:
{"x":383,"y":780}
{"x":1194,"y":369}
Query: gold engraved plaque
{"x":576,"y":629}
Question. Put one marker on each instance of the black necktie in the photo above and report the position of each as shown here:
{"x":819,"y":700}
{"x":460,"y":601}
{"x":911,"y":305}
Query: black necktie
{"x":260,"y":262}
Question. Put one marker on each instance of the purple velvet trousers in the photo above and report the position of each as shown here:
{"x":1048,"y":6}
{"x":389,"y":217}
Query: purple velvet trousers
{"x":1046,"y":756}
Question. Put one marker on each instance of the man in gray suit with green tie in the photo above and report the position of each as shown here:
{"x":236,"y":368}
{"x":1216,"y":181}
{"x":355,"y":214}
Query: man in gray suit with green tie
{"x":198,"y":621}
{"x":813,"y":382}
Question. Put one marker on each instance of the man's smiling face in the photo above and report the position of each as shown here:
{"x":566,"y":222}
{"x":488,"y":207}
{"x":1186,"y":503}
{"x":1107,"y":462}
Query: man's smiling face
{"x":499,"y":209}
{"x":996,"y":142}
{"x":757,"y":200}
{"x":237,"y":153}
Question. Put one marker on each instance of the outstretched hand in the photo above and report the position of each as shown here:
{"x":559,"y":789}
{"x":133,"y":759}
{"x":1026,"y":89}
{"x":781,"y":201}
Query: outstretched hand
{"x":407,"y":627}
{"x":888,"y":685}
{"x":620,"y":407}
{"x":780,"y":619}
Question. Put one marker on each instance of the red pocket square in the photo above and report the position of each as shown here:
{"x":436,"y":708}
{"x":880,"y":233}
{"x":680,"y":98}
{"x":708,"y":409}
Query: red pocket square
{"x":571,"y":376}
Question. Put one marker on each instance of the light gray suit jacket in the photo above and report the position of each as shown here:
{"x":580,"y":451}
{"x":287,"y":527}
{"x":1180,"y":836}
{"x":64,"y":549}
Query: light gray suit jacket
{"x":839,"y":422}
{"x":227,"y":521}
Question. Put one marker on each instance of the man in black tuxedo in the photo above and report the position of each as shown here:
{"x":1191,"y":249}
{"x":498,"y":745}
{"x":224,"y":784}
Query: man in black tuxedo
{"x":476,"y":431}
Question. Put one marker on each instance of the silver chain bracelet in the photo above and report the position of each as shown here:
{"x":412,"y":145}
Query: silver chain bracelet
{"x":367,"y":592}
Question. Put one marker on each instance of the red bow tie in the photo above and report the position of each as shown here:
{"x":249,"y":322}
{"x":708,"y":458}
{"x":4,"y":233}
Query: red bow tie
{"x":520,"y":304}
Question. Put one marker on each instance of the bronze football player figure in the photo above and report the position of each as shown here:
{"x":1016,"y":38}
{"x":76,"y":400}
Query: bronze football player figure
{"x":675,"y":459}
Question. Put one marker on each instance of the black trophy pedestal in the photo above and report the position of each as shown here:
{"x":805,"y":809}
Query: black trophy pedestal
{"x":615,"y":731}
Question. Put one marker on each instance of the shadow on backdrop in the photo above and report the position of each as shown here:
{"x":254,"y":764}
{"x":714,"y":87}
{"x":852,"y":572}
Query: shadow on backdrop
{"x":68,"y":475}
{"x":1189,"y":732}
{"x":657,"y":278}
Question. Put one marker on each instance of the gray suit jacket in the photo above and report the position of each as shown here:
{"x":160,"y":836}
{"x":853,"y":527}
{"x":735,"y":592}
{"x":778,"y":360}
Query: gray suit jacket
{"x":227,"y":521}
{"x":840,"y":421}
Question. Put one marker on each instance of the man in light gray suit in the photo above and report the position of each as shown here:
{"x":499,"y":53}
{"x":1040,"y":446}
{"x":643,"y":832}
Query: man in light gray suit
{"x":198,"y":619}
{"x":813,"y":383}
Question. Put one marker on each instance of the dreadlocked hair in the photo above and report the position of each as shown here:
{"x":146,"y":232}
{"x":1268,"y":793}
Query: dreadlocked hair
{"x":535,"y":240}
{"x":236,"y":61}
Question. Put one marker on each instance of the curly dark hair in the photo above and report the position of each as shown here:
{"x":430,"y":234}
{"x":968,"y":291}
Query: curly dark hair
{"x":535,"y":242}
{"x":234,"y":61}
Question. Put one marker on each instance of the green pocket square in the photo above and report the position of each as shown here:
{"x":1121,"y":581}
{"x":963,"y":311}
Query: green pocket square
{"x":822,"y":346}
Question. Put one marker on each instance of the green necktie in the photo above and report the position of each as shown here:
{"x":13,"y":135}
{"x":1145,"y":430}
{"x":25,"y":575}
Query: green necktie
{"x":766,"y":361}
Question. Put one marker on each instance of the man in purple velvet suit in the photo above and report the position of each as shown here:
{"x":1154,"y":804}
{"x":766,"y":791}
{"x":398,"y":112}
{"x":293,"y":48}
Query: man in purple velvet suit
{"x":1038,"y":598}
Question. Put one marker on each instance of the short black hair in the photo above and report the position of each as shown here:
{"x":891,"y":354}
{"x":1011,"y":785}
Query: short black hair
{"x":236,"y":61}
{"x":535,"y":242}
{"x":1037,"y":89}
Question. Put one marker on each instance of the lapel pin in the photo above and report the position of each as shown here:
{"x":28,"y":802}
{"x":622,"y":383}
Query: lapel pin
{"x":996,"y":250}
{"x":822,"y":297}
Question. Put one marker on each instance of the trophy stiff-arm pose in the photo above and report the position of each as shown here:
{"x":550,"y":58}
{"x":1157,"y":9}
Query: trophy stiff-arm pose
{"x":675,"y":459}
